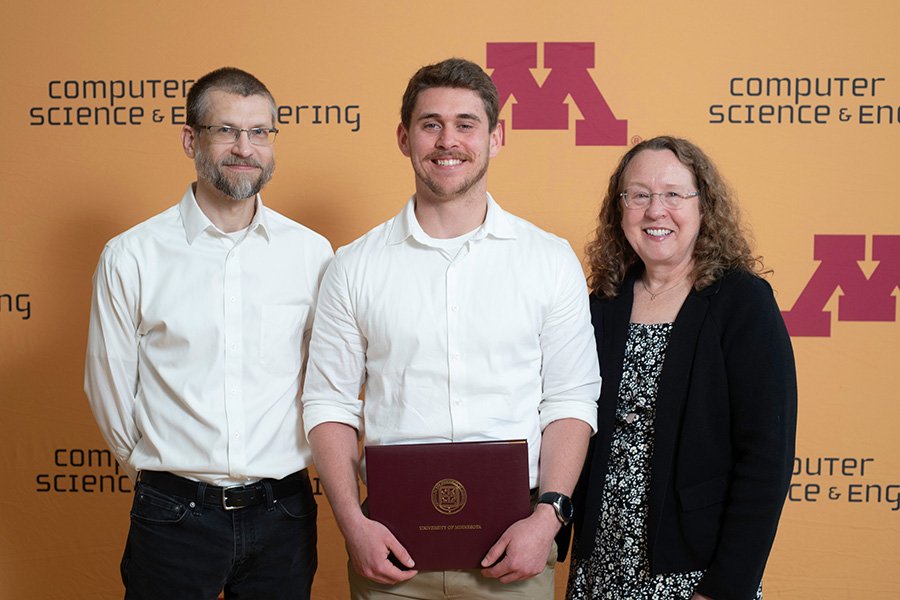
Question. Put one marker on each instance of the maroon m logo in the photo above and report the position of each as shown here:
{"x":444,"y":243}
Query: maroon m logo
{"x":544,"y":106}
{"x":862,"y":299}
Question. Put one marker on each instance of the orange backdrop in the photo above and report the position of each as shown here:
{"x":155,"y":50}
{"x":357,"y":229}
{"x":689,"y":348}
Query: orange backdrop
{"x":799,"y":103}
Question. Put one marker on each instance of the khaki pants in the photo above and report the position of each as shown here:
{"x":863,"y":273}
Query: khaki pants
{"x":456,"y":585}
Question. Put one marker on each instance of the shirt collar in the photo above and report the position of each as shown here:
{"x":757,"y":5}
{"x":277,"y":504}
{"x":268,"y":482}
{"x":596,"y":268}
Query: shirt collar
{"x":497,"y":224}
{"x":195,"y":222}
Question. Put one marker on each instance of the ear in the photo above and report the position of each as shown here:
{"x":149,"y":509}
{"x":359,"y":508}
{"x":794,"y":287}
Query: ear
{"x":403,"y":139}
{"x":496,"y":141}
{"x":188,"y":139}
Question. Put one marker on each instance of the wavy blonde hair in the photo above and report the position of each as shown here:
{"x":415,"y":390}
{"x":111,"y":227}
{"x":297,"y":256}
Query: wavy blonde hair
{"x":722,"y":243}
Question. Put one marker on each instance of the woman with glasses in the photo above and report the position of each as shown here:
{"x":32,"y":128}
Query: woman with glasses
{"x":686,"y":477}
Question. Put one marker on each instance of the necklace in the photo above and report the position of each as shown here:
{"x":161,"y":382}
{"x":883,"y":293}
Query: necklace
{"x":668,"y":289}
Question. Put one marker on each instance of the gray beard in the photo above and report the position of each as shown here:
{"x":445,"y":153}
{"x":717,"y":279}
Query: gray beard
{"x":244,"y":187}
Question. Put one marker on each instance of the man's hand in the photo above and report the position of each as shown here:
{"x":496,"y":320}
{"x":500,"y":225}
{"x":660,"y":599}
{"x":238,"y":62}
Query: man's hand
{"x":369,"y":543}
{"x":526,"y":544}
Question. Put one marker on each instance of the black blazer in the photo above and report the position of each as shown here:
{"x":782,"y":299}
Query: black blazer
{"x":726,"y":414}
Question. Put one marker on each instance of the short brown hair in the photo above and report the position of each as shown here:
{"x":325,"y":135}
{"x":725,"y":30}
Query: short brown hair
{"x":226,"y":79}
{"x":452,"y":73}
{"x":722,"y":243}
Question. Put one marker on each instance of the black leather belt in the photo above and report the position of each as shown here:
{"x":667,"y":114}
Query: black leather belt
{"x":229,"y":498}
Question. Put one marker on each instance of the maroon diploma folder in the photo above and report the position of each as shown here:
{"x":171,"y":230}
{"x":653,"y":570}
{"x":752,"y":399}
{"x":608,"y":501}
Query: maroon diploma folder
{"x":448,"y":503}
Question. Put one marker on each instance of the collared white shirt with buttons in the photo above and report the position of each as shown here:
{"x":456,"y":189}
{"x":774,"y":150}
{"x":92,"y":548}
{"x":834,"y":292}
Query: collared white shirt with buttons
{"x":493,"y":342}
{"x":197,"y":344}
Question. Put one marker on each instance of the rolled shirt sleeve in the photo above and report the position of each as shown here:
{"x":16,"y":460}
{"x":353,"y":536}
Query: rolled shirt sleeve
{"x":570,"y":369}
{"x":337,"y":358}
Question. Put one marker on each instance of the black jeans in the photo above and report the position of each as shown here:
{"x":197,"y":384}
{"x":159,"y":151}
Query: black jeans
{"x":182,"y":549}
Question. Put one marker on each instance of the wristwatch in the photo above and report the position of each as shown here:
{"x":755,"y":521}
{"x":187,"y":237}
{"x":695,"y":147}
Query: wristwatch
{"x":561,"y":503}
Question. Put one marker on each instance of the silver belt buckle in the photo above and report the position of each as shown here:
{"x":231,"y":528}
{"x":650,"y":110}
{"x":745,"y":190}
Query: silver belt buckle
{"x":225,"y":497}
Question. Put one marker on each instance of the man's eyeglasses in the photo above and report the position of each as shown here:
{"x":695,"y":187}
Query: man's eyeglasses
{"x":224,"y":134}
{"x":640,"y":200}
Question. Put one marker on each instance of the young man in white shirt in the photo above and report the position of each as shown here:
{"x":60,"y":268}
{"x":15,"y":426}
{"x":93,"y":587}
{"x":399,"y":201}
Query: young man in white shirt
{"x":199,"y":328}
{"x":465,"y":323}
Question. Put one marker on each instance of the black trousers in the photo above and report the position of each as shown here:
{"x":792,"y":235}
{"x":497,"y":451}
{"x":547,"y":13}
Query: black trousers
{"x":190,"y":549}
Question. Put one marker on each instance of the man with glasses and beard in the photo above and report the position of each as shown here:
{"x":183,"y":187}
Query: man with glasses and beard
{"x":200,"y":319}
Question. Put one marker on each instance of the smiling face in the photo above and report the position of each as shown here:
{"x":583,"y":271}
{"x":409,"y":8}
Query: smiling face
{"x":663,"y":238}
{"x":236,"y":170}
{"x":449,"y":143}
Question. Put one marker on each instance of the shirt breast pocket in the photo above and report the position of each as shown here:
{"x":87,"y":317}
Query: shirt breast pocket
{"x":281,"y":337}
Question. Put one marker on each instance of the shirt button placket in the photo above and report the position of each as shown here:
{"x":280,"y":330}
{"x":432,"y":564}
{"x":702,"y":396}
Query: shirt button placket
{"x":455,"y":362}
{"x":233,"y":304}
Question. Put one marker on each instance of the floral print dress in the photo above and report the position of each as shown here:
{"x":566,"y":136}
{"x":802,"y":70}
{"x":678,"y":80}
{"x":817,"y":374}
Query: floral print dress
{"x":619,"y":568}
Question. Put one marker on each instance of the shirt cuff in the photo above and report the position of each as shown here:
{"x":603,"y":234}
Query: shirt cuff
{"x":316,"y":414}
{"x":579,"y":403}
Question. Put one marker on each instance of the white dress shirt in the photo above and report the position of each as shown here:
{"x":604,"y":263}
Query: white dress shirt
{"x":197,"y":343}
{"x":493,"y":342}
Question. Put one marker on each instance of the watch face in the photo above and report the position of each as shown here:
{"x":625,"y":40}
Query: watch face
{"x":561,"y":504}
{"x":566,"y":511}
